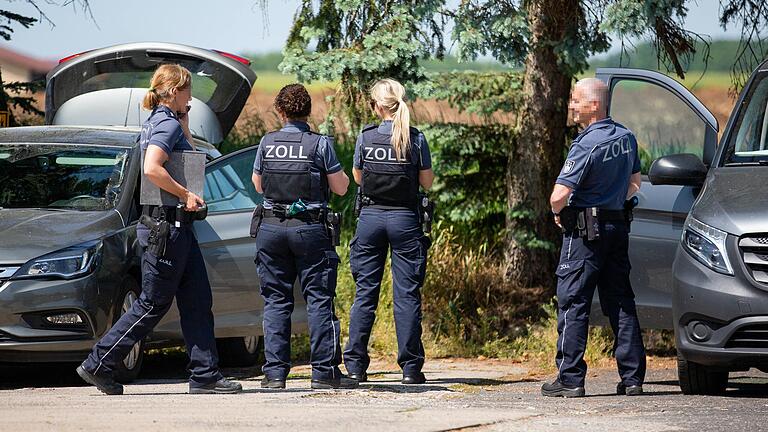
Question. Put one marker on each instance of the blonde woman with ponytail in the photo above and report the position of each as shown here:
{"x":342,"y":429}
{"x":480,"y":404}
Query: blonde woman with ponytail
{"x":175,"y":271}
{"x":391,"y":162}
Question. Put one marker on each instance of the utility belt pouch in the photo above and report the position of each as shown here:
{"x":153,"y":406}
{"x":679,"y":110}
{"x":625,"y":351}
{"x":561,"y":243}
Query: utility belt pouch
{"x":159,"y":231}
{"x":592,"y":223}
{"x":568,"y":217}
{"x":333,"y":225}
{"x":258,"y":215}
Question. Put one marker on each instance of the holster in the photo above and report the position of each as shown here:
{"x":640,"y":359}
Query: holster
{"x":256,"y":217}
{"x":332,"y":222}
{"x":159,"y":231}
{"x":629,"y":216}
{"x":358,"y":202}
{"x":426,"y":213}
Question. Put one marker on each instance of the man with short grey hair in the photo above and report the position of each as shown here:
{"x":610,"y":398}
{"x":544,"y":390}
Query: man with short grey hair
{"x":589,"y":203}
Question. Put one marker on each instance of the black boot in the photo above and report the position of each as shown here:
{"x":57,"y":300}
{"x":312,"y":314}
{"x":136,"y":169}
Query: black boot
{"x":417,"y":378}
{"x":222,"y":386}
{"x":275,"y":383}
{"x":633,"y":390}
{"x":342,"y":382}
{"x":104,"y":383}
{"x":558,"y":389}
{"x":359,"y":376}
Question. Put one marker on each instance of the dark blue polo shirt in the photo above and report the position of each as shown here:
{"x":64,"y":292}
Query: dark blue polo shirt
{"x":385,"y":128}
{"x":163,"y":129}
{"x":599,"y":164}
{"x":325,"y":158}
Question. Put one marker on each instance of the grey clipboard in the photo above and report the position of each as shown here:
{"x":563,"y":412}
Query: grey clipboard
{"x":186,"y":167}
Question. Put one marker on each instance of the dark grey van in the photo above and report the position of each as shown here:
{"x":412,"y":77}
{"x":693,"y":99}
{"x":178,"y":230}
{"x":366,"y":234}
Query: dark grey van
{"x":699,"y":243}
{"x":69,"y":260}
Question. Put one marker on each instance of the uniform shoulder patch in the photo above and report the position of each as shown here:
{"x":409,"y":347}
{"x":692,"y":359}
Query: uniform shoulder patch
{"x":568,"y":166}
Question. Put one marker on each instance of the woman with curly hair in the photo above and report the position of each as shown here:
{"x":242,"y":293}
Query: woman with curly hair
{"x":296,"y":169}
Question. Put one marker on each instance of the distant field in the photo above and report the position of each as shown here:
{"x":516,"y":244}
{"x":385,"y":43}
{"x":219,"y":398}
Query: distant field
{"x":272,"y":82}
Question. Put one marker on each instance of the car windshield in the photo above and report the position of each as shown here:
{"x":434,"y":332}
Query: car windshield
{"x":61,"y":176}
{"x":748,"y":142}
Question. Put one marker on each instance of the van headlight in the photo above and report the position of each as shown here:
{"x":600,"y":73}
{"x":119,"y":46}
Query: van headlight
{"x":66,"y":263}
{"x":706,"y":244}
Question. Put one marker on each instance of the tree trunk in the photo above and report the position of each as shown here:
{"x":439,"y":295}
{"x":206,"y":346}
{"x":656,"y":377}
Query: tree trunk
{"x":538,"y":156}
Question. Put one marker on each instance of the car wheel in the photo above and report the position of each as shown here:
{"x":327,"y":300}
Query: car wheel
{"x":240,"y":351}
{"x":698,"y":379}
{"x":128,"y":369}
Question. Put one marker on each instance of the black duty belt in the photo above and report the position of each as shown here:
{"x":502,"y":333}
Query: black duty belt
{"x":316,"y":215}
{"x":611,"y":215}
{"x":367,"y":201}
{"x":169,"y":214}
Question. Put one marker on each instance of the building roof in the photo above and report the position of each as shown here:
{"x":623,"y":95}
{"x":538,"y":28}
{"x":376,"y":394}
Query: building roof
{"x":11,"y":57}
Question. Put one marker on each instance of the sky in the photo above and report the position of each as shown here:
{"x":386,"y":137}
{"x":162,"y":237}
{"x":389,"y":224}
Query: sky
{"x":241,"y":26}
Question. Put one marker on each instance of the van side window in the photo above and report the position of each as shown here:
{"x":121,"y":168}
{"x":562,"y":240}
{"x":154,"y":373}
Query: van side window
{"x":638,"y":104}
{"x":748,"y":141}
{"x":228,"y":183}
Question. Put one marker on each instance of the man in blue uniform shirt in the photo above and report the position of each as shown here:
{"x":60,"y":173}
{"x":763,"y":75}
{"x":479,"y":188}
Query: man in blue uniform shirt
{"x":601,"y":172}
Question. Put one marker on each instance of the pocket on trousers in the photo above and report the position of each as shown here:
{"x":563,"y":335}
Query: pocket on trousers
{"x":569,"y":281}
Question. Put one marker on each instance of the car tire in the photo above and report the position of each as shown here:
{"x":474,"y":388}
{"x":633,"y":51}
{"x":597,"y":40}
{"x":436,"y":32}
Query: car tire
{"x":698,"y":379}
{"x":128,"y":369}
{"x":244,"y":351}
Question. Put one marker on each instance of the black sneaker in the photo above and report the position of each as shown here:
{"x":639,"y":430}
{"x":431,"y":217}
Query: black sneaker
{"x":557,"y":389}
{"x":359,"y":376}
{"x":418,"y":378}
{"x":275,"y":383}
{"x":343,"y":382}
{"x":633,"y":390}
{"x":222,"y":386}
{"x":104,"y":383}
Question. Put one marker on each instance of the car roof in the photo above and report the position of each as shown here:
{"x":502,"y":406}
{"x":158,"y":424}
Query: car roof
{"x":106,"y":136}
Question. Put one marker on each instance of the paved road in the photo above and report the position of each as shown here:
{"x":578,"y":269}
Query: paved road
{"x":472,"y":395}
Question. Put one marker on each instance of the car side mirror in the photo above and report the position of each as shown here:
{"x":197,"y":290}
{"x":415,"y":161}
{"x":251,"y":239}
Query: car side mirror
{"x":683,"y":169}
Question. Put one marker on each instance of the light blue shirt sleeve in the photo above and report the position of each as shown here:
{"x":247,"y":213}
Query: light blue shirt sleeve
{"x":425,"y":159}
{"x":330,"y":160}
{"x":165,"y":134}
{"x":259,"y":155}
{"x":357,"y":159}
{"x":636,"y":150}
{"x":575,"y":167}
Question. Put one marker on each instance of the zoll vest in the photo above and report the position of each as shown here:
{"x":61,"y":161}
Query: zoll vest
{"x":289,"y":170}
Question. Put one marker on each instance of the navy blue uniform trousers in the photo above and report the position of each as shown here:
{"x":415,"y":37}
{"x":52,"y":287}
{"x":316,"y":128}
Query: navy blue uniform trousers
{"x":377,"y":231}
{"x":287,"y":249}
{"x":180,"y":273}
{"x":585,"y":265}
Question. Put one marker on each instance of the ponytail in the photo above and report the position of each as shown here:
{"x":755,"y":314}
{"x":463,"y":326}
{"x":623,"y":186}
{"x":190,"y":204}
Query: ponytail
{"x":401,"y":130}
{"x":166,"y":81}
{"x":151,"y":100}
{"x":390,"y":95}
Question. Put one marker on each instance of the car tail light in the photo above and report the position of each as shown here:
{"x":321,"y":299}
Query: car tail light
{"x":242,"y":60}
{"x":68,"y":58}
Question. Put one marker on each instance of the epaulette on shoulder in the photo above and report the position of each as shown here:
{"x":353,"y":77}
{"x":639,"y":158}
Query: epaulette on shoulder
{"x":368,"y":127}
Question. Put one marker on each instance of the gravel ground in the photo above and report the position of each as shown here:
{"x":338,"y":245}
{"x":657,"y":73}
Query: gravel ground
{"x":466,"y":394}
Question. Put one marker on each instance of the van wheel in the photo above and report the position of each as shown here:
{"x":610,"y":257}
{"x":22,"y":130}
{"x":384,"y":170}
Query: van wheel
{"x":240,"y":351}
{"x":697,"y":379}
{"x":128,"y":369}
